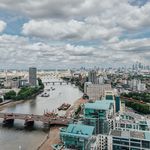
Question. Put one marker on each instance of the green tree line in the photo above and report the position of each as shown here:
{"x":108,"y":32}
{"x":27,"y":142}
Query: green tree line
{"x":141,"y":108}
{"x":145,"y":97}
{"x":25,"y":92}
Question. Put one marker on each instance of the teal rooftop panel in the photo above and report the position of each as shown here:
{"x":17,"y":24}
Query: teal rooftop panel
{"x":99,"y":105}
{"x":80,"y":129}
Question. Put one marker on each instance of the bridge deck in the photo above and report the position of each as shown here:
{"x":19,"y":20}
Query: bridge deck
{"x":42,"y":118}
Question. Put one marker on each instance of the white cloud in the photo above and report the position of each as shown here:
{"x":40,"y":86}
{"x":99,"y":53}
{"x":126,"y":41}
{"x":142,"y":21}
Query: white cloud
{"x":71,"y":29}
{"x":107,"y":22}
{"x":85,"y":20}
{"x":20,"y":52}
{"x":53,"y":29}
{"x":2,"y":25}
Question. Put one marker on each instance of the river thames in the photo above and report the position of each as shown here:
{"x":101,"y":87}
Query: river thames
{"x":17,"y":138}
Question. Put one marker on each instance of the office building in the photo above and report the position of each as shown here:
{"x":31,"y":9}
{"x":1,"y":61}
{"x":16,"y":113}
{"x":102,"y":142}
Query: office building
{"x":32,"y":76}
{"x":76,"y":136}
{"x":96,"y":91}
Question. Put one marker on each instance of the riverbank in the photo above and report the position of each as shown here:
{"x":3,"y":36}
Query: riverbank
{"x":53,"y":135}
{"x":11,"y":103}
{"x":50,"y":139}
{"x":75,"y":106}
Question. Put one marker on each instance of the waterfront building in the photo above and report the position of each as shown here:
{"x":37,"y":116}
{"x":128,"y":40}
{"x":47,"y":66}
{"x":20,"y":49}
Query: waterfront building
{"x":7,"y":84}
{"x":99,"y":114}
{"x":122,"y":140}
{"x":96,"y":91}
{"x":23,"y":82}
{"x":131,"y":121}
{"x":32,"y":76}
{"x":76,"y":136}
{"x":11,"y":83}
{"x":14,"y":84}
{"x":130,"y":140}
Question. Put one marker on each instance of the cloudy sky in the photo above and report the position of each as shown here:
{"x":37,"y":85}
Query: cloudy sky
{"x":74,"y":33}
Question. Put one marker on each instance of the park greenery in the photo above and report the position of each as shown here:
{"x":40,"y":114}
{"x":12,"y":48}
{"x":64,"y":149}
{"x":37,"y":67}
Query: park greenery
{"x":140,"y":107}
{"x":1,"y":100}
{"x":77,"y":112}
{"x":10,"y":95}
{"x":145,"y":97}
{"x":25,"y":92}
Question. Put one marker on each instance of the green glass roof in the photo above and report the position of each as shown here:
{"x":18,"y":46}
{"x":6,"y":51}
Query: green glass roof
{"x":99,"y":105}
{"x":80,"y":129}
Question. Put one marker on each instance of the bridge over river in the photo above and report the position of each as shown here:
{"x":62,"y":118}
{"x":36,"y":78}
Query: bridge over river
{"x":55,"y":82}
{"x":47,"y":119}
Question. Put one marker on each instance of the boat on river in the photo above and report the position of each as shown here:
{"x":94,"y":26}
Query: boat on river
{"x":64,"y":106}
{"x":52,"y":88}
{"x":45,"y":95}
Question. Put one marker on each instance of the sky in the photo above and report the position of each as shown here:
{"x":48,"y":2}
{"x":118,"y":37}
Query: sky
{"x":73,"y":33}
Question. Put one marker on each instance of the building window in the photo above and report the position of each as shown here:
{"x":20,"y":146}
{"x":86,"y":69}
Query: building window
{"x":135,"y":144}
{"x":145,"y":144}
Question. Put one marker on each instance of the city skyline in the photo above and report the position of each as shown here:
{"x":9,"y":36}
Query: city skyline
{"x":64,"y":34}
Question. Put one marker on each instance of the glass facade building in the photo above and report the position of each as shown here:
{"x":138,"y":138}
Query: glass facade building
{"x":96,"y":114}
{"x":76,"y":136}
{"x":126,"y":140}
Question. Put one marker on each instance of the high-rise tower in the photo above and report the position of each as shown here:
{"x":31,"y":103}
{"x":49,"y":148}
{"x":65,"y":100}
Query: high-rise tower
{"x":32,"y":76}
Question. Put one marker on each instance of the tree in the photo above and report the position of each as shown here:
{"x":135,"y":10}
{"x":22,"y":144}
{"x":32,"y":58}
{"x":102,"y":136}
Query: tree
{"x":1,"y":100}
{"x":10,"y":95}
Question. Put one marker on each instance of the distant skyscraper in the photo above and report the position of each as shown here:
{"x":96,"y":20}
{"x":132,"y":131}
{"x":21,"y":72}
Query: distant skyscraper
{"x":92,"y":77}
{"x":32,"y":76}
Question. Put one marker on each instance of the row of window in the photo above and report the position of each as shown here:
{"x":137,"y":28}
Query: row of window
{"x":132,"y":142}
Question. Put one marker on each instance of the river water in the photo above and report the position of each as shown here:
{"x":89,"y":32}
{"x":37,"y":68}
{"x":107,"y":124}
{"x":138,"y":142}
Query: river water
{"x":17,"y":138}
